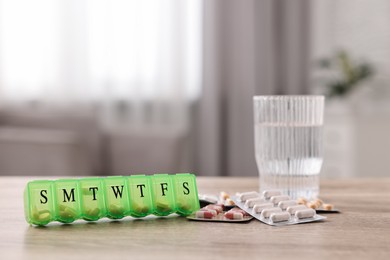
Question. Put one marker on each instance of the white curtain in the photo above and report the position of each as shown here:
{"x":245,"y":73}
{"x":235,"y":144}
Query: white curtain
{"x":140,"y":59}
{"x":251,"y":47}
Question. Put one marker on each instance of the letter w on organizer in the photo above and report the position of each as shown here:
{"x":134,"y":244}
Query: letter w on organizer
{"x":116,"y":191}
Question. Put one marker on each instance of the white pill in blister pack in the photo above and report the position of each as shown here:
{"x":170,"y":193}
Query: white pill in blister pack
{"x":266,"y":213}
{"x":279,"y":217}
{"x":278,"y":210}
{"x":276,"y":199}
{"x":258,"y":208}
{"x":269,"y":193}
{"x":305,"y":213}
{"x":284,"y":204}
{"x":248,"y":195}
{"x":251,"y":202}
{"x":293,"y":209}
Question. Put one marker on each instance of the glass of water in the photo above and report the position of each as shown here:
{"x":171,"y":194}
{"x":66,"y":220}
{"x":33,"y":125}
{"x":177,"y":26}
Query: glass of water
{"x":288,"y":143}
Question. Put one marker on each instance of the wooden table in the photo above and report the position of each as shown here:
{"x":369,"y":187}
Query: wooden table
{"x":362,"y":229}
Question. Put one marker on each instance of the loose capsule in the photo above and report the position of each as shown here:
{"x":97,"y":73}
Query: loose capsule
{"x":234,"y":215}
{"x":276,"y":199}
{"x":258,"y":208}
{"x":305,"y":213}
{"x":251,"y":202}
{"x":293,"y":209}
{"x":327,"y":206}
{"x":266,"y":213}
{"x":279,"y":217}
{"x":270,"y":193}
{"x":248,"y":195}
{"x":284,"y":204}
{"x":204,"y":214}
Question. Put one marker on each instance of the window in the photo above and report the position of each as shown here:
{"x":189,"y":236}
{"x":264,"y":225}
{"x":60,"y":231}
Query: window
{"x":88,"y":50}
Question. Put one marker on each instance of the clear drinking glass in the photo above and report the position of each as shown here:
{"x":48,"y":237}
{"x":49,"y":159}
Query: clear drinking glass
{"x":288,"y":143}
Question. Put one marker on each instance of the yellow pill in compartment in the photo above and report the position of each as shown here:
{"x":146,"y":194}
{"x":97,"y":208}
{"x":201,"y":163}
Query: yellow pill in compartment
{"x":41,"y":215}
{"x":67,"y":212}
{"x":140,"y":208}
{"x":163,"y":207}
{"x":116,"y":209}
{"x":93,"y":212}
{"x":44,"y":216}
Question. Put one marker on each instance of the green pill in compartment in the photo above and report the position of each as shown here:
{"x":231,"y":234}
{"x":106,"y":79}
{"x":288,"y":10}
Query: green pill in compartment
{"x":141,"y":199}
{"x":163,"y":195}
{"x":116,"y":197}
{"x":68,"y":200}
{"x":92,"y":199}
{"x":186,"y":193}
{"x":39,"y":202}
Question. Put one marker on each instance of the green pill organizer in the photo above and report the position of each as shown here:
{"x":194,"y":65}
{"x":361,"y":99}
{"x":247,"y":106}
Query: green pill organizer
{"x":67,"y":200}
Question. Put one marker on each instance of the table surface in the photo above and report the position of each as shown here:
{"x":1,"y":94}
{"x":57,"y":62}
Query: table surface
{"x":362,"y":230}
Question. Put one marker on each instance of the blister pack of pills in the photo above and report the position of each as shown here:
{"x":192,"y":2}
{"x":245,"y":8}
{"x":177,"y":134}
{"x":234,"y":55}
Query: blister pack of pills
{"x":275,"y":209}
{"x":318,"y":205}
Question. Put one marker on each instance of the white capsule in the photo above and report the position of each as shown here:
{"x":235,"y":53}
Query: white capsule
{"x":248,"y":195}
{"x":305,"y":213}
{"x":279,"y":217}
{"x":258,"y":208}
{"x":293,"y":209}
{"x":269,"y":193}
{"x":276,"y":199}
{"x":286,"y":203}
{"x":251,"y":202}
{"x":266,"y":213}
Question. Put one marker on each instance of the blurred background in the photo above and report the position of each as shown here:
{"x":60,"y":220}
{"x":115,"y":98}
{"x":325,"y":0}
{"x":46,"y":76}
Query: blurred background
{"x":99,"y":87}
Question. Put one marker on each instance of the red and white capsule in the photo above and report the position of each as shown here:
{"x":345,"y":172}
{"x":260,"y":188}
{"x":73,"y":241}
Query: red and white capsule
{"x":217,"y":208}
{"x":234,"y":215}
{"x":204,"y":214}
{"x":212,"y":211}
{"x":243,"y":212}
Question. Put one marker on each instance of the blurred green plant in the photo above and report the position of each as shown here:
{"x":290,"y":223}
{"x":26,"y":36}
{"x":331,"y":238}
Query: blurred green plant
{"x":349,"y":74}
